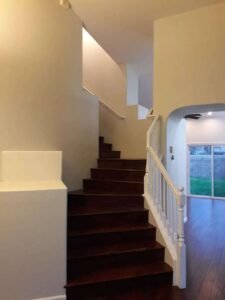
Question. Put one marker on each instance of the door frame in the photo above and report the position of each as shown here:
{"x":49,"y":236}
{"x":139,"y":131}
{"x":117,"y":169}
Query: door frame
{"x":212,"y":168}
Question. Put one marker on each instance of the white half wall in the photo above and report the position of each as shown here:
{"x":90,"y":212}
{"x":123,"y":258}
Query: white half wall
{"x":33,"y":222}
{"x":61,"y":297}
{"x":33,"y":243}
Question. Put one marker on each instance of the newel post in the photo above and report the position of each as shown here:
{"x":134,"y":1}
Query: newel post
{"x":181,"y":247}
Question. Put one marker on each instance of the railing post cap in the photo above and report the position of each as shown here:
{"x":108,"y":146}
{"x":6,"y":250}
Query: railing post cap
{"x":181,"y":189}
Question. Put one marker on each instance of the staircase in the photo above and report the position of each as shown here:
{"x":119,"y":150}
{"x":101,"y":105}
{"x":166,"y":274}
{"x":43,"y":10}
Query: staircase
{"x":112,"y":249}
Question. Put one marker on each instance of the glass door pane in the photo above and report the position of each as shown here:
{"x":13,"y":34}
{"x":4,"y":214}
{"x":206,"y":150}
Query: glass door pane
{"x":200,"y":158}
{"x":219,"y":170}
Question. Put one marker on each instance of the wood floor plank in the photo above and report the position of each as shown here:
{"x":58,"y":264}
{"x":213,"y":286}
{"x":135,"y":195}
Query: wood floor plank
{"x":205,"y":239}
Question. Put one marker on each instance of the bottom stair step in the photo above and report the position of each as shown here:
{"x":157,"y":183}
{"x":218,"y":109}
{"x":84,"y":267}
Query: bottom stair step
{"x":89,"y":264}
{"x":164,"y":291}
{"x":122,"y":277}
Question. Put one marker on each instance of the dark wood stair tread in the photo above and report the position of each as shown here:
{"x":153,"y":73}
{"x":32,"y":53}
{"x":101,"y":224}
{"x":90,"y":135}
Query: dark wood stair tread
{"x":137,"y":164}
{"x":120,"y":211}
{"x":113,"y":229}
{"x":162,"y":291}
{"x":109,"y":151}
{"x":120,"y":170}
{"x":113,"y":186}
{"x":125,"y":159}
{"x":118,"y":174}
{"x":94,"y":202}
{"x":113,"y":180}
{"x":81,"y":192}
{"x":117,"y":248}
{"x":111,"y":247}
{"x":121,"y":273}
{"x":106,"y":145}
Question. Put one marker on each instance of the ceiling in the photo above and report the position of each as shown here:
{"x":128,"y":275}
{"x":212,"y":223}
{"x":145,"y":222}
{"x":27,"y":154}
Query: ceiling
{"x":124,"y":28}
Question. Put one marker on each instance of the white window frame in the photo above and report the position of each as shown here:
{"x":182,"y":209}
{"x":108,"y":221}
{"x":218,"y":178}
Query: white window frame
{"x":212,"y":168}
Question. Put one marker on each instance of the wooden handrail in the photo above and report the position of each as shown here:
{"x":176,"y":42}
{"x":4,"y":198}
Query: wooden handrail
{"x":165,"y":174}
{"x":103,"y":103}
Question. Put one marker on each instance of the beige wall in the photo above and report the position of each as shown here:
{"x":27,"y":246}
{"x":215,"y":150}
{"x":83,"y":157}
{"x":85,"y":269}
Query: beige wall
{"x":33,"y":243}
{"x":102,"y":75}
{"x":127,"y":135}
{"x":189,"y":64}
{"x":42,"y":104}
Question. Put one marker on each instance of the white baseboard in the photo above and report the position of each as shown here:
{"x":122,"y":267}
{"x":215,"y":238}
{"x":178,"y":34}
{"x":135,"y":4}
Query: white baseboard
{"x":61,"y":297}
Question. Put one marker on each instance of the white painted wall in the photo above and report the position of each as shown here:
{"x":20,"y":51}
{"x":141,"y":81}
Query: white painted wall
{"x":176,"y":138}
{"x":181,"y":132}
{"x":43,"y":106}
{"x":132,"y":86}
{"x":189,"y":64}
{"x":102,"y":75}
{"x":33,"y":210}
{"x":32,"y":243}
{"x":107,"y":80}
{"x":209,"y":130}
{"x":127,"y":135}
{"x":142,"y":112}
{"x":144,"y":69}
{"x":18,"y":165}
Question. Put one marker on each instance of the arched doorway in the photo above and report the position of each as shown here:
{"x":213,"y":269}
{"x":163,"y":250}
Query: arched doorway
{"x":204,"y":229}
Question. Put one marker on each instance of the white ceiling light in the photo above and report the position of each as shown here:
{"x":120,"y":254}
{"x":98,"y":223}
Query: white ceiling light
{"x":209,"y":113}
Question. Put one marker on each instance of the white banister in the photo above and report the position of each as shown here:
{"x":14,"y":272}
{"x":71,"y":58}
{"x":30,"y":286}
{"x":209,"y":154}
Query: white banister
{"x":104,"y":104}
{"x":66,"y":4}
{"x":166,"y":203}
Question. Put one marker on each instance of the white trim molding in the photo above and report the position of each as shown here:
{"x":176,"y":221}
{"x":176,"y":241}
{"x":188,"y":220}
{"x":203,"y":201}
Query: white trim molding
{"x":61,"y":297}
{"x":65,"y":3}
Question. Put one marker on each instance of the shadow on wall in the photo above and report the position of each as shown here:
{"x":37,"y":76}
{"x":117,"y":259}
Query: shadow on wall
{"x":176,"y":144}
{"x":127,"y":135}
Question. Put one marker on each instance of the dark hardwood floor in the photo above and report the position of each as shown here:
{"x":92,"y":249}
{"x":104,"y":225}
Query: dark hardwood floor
{"x":205,"y":239}
{"x":205,"y":232}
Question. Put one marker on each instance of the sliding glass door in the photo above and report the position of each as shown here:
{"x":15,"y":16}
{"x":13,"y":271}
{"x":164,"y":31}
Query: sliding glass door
{"x":200,"y":170}
{"x":207,"y":170}
{"x":219,"y":171}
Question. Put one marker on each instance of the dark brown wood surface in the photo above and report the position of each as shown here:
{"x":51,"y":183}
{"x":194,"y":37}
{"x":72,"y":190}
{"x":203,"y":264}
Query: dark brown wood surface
{"x":112,"y":252}
{"x":111,"y":248}
{"x":205,"y":239}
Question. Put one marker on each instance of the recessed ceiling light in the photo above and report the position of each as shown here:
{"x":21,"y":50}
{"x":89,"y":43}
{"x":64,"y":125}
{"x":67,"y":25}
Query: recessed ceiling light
{"x":209,"y":113}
